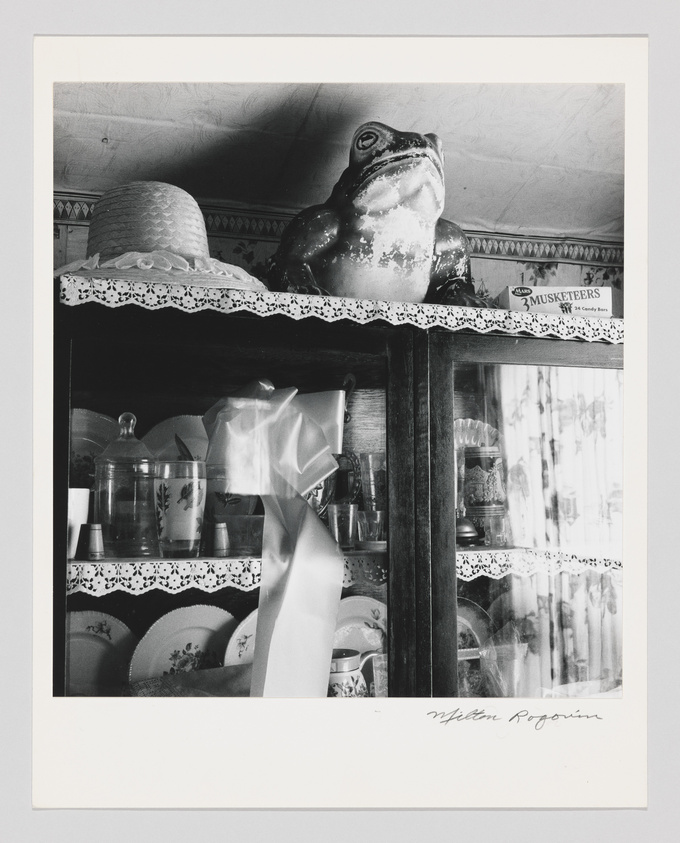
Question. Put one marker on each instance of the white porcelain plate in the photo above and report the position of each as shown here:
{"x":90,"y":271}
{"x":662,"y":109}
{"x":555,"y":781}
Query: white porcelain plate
{"x":189,"y":638}
{"x":160,"y":440}
{"x":361,"y":625}
{"x":90,"y":434}
{"x":241,"y":646}
{"x":98,"y":652}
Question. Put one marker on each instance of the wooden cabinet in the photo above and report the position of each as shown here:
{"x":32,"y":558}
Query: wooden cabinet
{"x":160,"y":351}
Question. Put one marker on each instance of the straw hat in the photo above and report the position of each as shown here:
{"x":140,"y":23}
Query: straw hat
{"x":153,"y":231}
{"x":146,"y":216}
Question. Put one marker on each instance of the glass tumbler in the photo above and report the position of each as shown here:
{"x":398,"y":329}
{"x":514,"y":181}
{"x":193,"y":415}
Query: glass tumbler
{"x":372,"y":525}
{"x":180,"y":503}
{"x":374,"y":479}
{"x":342,"y":521}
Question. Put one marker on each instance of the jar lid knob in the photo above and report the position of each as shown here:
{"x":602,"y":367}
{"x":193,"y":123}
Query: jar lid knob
{"x":127,"y":422}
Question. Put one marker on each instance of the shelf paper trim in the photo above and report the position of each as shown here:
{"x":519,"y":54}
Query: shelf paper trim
{"x":152,"y":295}
{"x":210,"y":575}
{"x":524,"y":562}
{"x":173,"y":576}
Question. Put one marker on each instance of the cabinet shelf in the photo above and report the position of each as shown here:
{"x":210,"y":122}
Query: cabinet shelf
{"x":116,"y":292}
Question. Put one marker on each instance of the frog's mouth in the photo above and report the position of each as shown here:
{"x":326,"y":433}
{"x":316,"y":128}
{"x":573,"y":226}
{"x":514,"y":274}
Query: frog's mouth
{"x":393,"y":162}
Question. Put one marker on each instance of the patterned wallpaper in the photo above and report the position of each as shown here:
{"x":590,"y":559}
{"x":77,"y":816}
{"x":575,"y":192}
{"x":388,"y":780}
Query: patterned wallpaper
{"x":247,"y":239}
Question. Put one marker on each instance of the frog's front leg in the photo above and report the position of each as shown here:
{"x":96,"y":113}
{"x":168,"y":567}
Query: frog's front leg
{"x":311,"y":233}
{"x":451,"y":277}
{"x":450,"y":264}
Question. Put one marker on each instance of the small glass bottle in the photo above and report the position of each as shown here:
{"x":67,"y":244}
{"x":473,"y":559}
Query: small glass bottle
{"x":124,"y":494}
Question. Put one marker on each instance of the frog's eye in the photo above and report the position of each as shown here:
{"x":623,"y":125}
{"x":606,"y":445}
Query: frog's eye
{"x":366,"y":139}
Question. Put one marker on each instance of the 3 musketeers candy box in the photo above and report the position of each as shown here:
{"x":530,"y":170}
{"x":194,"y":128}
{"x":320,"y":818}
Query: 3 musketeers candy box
{"x":569,"y":301}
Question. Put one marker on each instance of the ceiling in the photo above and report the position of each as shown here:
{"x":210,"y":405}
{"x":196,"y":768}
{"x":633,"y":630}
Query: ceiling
{"x":545,"y":159}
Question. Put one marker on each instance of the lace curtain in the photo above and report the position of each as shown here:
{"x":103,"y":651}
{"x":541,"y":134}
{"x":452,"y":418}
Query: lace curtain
{"x":563,"y":444}
{"x":559,"y":635}
{"x":561,"y":431}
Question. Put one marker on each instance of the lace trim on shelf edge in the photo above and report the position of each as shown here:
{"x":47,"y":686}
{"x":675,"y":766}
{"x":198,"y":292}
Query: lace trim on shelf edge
{"x":524,"y":562}
{"x":209,"y":575}
{"x":113,"y":292}
{"x":173,"y":576}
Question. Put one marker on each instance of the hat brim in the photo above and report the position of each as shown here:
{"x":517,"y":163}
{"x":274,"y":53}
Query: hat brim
{"x":157,"y":267}
{"x":172,"y":276}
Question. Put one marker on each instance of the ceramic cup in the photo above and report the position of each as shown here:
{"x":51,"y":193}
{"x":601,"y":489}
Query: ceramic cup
{"x":346,"y":678}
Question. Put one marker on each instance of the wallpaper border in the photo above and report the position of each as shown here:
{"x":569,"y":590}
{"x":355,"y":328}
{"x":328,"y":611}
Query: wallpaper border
{"x":76,"y":209}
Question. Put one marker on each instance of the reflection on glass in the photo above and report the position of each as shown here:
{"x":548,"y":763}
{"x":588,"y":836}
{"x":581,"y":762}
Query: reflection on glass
{"x":562,"y":431}
{"x":554,"y":594}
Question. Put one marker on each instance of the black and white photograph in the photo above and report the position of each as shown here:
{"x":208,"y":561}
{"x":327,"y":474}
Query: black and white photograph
{"x":340,"y":370}
{"x":337,"y":410}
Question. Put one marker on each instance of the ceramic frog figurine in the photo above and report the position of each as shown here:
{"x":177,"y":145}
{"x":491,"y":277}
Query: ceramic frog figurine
{"x":379,"y":235}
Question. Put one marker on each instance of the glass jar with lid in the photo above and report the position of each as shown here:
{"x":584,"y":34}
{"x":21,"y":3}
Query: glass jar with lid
{"x":124,"y":494}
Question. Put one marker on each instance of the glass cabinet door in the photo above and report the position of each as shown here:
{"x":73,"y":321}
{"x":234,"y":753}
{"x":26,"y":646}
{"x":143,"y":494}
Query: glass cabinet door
{"x":533,"y":519}
{"x":169,"y":367}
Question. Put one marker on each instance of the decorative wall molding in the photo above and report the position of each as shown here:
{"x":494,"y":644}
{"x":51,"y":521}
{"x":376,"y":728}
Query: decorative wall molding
{"x":544,"y":249}
{"x":261,"y":225}
{"x":251,"y":225}
{"x":73,"y":208}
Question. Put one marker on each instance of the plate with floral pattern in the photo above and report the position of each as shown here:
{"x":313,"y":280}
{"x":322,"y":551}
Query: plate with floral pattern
{"x":98,"y":652}
{"x":241,"y":646}
{"x":186,"y":639}
{"x":361,"y":625}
